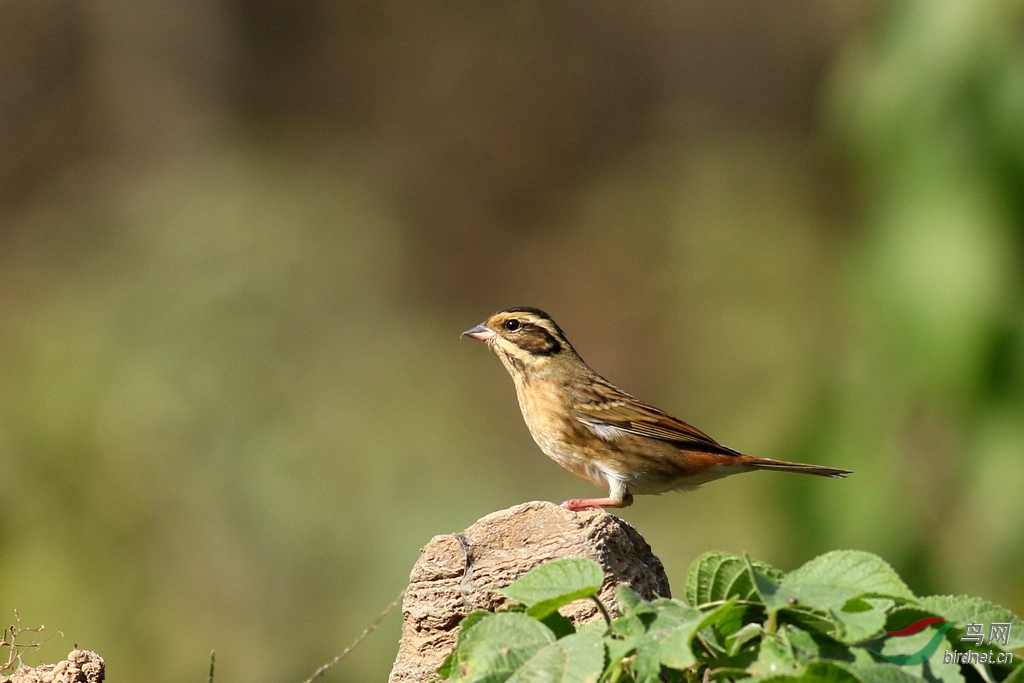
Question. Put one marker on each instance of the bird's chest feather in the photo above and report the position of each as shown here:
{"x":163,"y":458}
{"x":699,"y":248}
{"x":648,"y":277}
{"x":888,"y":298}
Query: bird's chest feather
{"x":552,"y":422}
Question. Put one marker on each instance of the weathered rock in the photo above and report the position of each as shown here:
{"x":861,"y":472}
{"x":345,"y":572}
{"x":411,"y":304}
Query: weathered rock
{"x":458,"y":573}
{"x":81,"y":666}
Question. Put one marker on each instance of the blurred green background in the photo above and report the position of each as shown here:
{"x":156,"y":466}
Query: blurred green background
{"x":239,"y":240}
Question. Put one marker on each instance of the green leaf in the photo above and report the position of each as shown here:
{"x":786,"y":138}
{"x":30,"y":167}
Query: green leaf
{"x":809,"y":646}
{"x":828,"y":672}
{"x":647,"y":662}
{"x":545,"y":588}
{"x":669,"y":614}
{"x":619,"y":648}
{"x":577,"y":658}
{"x":807,"y":619}
{"x":775,"y":657}
{"x":445,"y":670}
{"x":473,"y":617}
{"x":855,"y":591}
{"x":719,"y":625}
{"x":629,"y":625}
{"x":598,"y":628}
{"x":861,"y":619}
{"x":493,"y":648}
{"x":628,"y":599}
{"x":718,"y":576}
{"x":448,"y":665}
{"x":740,"y":638}
{"x":856,"y":570}
{"x":675,"y":651}
{"x":1016,"y":677}
{"x":667,"y":639}
{"x":964,"y":610}
{"x":766,"y":587}
{"x":729,"y":618}
{"x":636,"y":613}
{"x":882,"y":673}
{"x":562,"y":626}
{"x":818,"y":672}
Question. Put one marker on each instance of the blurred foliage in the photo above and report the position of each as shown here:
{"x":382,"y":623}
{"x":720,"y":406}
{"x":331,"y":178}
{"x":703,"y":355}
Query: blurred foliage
{"x":238,"y":243}
{"x":932,"y":104}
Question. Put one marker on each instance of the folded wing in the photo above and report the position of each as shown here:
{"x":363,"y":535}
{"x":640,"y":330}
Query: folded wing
{"x":606,"y":406}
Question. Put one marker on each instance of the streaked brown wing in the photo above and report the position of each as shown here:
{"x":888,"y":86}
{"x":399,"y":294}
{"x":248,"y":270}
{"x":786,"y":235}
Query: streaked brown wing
{"x":607,"y":405}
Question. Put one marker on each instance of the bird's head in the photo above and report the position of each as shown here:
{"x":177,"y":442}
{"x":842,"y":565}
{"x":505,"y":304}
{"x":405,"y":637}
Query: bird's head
{"x":525,"y":339}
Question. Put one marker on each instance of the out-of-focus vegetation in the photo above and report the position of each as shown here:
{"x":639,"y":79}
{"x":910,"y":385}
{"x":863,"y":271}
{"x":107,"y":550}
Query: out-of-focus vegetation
{"x":239,"y":240}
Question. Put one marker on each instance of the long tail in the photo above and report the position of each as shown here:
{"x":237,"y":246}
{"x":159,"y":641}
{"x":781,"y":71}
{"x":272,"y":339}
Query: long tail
{"x":802,"y":468}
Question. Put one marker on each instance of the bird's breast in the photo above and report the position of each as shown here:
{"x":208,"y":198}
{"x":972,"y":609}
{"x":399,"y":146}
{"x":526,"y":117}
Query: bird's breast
{"x":554,"y":427}
{"x":546,"y":412}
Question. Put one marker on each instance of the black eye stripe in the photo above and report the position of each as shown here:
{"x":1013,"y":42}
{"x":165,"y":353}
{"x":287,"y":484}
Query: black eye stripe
{"x":537,"y":340}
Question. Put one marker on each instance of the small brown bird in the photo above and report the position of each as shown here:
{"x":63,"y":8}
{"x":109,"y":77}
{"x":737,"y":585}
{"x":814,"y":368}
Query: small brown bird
{"x":599,"y":432}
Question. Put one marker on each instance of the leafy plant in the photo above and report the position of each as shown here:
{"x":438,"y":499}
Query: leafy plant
{"x":844,"y":617}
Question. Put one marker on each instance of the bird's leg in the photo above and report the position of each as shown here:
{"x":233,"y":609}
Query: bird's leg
{"x":618,"y":497}
{"x":587,"y":503}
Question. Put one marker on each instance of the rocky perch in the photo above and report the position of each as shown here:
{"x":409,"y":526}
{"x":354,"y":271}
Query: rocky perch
{"x":81,"y":666}
{"x":457,"y":573}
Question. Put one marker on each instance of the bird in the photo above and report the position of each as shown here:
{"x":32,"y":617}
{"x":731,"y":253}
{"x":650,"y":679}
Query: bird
{"x":597,"y":431}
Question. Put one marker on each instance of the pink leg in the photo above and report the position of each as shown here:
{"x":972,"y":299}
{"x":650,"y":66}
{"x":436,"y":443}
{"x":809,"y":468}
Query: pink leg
{"x":588,"y":503}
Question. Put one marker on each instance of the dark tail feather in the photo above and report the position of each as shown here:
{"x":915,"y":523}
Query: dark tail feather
{"x":802,"y":468}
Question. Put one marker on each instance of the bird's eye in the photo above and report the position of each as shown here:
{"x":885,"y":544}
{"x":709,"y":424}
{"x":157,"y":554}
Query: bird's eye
{"x":512,"y":325}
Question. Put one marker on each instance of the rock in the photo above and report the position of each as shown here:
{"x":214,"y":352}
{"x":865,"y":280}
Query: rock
{"x":81,"y":666}
{"x":456,"y":573}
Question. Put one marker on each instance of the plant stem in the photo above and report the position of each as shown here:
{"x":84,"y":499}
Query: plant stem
{"x":716,"y":603}
{"x":604,"y":612}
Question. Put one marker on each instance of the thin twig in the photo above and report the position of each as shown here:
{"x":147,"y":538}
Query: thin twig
{"x":213,"y":658}
{"x":716,"y":603}
{"x":18,"y":649}
{"x":604,"y":611}
{"x":367,"y":631}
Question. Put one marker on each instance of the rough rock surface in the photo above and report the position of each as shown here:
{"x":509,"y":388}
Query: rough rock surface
{"x":456,"y":573}
{"x":81,"y":666}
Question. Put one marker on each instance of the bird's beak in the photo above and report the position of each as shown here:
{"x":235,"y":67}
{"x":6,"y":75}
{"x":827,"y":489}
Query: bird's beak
{"x":481,"y":332}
